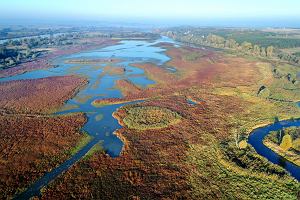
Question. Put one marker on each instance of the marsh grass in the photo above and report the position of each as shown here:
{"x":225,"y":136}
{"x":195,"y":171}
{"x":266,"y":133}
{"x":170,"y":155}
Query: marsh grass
{"x":150,"y":117}
{"x":86,"y":138}
{"x":68,"y":107}
{"x":193,"y":56}
{"x":83,"y":99}
{"x":105,"y":102}
{"x":96,"y":148}
{"x":99,"y":117}
{"x":219,"y":174}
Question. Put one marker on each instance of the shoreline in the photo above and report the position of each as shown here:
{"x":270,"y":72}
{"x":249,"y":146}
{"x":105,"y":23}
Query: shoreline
{"x":289,"y":166}
{"x":45,"y":61}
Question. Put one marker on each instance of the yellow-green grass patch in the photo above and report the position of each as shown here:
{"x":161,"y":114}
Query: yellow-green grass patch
{"x":150,"y":117}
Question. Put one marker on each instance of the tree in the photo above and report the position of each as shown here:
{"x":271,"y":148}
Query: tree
{"x":240,"y":135}
{"x":27,"y":52}
{"x":286,"y":142}
{"x":256,"y":50}
{"x":231,"y":43}
{"x":279,"y":135}
{"x":269,"y":51}
{"x":263,"y":52}
{"x":2,"y":51}
{"x":18,"y":59}
{"x":215,"y":40}
{"x":246,"y":47}
{"x":243,"y":144}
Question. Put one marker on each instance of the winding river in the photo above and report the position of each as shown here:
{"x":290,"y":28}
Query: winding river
{"x":100,"y":124}
{"x":256,"y":140}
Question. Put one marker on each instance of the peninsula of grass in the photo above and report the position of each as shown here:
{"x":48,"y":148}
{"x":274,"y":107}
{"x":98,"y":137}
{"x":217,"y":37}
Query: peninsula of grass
{"x":104,"y":102}
{"x":91,"y":61}
{"x":96,"y":148}
{"x":82,"y":99}
{"x":150,"y":117}
{"x":86,"y":138}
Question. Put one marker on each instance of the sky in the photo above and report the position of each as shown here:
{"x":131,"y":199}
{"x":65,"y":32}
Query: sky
{"x":180,"y":11}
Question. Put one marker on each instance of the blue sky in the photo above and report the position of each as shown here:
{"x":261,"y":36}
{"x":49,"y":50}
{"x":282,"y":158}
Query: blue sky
{"x":151,"y":9}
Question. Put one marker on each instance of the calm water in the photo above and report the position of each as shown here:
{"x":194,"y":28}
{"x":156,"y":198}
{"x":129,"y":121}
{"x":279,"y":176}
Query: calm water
{"x":191,"y":102}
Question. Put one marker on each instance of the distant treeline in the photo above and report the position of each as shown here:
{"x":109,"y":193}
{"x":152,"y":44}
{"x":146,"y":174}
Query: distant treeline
{"x":14,"y":52}
{"x":245,"y":47}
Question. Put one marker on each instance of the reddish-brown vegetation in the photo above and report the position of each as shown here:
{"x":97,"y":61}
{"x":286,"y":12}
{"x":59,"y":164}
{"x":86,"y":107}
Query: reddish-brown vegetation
{"x":211,"y":68}
{"x":127,"y":87}
{"x":113,"y":70}
{"x":108,"y":101}
{"x":38,"y":95}
{"x":92,"y":61}
{"x":152,"y":163}
{"x":32,"y":145}
{"x":164,"y":45}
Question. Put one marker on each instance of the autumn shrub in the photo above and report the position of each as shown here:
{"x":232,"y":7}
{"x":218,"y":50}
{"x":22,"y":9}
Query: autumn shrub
{"x":247,"y":158}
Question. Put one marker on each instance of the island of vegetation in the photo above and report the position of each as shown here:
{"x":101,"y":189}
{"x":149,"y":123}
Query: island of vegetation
{"x":143,"y":118}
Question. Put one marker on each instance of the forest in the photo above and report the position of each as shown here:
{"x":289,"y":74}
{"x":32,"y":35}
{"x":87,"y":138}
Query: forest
{"x":259,"y":43}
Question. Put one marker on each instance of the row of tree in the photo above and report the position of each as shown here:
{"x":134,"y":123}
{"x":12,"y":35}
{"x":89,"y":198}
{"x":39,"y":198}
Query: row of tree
{"x":220,"y":42}
{"x":289,"y":57}
{"x":39,"y":41}
{"x":11,"y":57}
{"x":13,"y":52}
